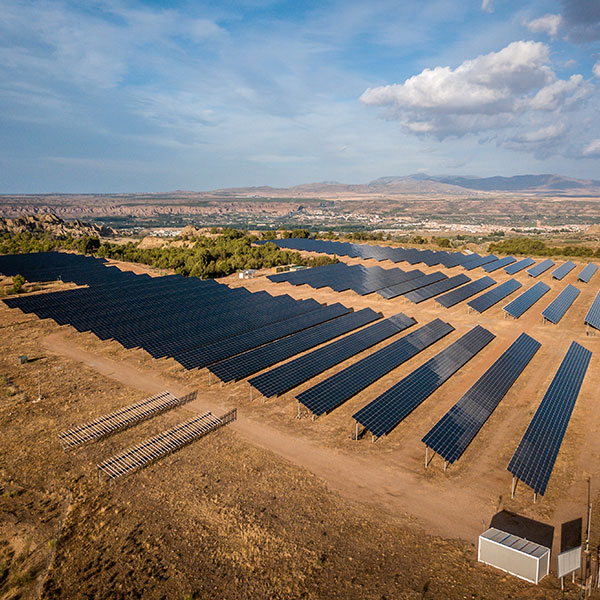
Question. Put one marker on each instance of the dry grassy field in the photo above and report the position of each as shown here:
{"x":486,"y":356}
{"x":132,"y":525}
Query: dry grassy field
{"x":273,"y":506}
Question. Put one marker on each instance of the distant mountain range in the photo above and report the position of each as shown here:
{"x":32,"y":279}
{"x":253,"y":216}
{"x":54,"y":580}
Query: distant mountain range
{"x":428,"y":184}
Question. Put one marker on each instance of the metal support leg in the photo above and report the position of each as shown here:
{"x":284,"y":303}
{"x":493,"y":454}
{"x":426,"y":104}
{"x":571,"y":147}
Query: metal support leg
{"x":356,"y":432}
{"x":209,"y":378}
{"x":513,"y":487}
{"x":445,"y":465}
{"x":534,"y":497}
{"x":250,"y":393}
{"x":426,"y":456}
{"x":298,"y":411}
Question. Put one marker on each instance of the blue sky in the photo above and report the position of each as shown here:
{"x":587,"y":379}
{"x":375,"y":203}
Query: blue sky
{"x":114,"y":96}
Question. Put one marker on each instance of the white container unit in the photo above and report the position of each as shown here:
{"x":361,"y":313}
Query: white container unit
{"x":514,"y":554}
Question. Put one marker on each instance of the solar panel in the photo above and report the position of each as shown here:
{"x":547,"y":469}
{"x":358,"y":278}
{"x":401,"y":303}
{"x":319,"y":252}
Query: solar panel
{"x":291,"y":374}
{"x":534,"y":458}
{"x":437,"y":288}
{"x":479,"y":262}
{"x":540,"y":268}
{"x":335,"y":390}
{"x":498,"y":264}
{"x":240,"y":366}
{"x":387,"y":410}
{"x":487,"y":300}
{"x":519,"y":265}
{"x":451,"y":435}
{"x":456,"y":296}
{"x":408,"y":286}
{"x":564,"y":269}
{"x":555,"y":311}
{"x":587,"y":273}
{"x":592,"y":318}
{"x":526,"y":300}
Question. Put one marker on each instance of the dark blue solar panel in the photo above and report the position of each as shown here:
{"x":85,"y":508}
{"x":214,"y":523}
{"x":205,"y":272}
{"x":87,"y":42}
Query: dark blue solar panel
{"x":240,"y":366}
{"x":587,"y":273}
{"x":451,"y":435}
{"x":227,"y":346}
{"x":413,"y":284}
{"x":335,"y":390}
{"x":487,"y":300}
{"x":437,"y":288}
{"x":479,"y":262}
{"x":519,"y":265}
{"x":564,"y":269}
{"x":555,"y":311}
{"x":534,"y":458}
{"x":540,"y":267}
{"x":291,"y":374}
{"x":387,"y":410}
{"x":461,"y":294}
{"x":526,"y":300}
{"x":498,"y":264}
{"x":592,"y":318}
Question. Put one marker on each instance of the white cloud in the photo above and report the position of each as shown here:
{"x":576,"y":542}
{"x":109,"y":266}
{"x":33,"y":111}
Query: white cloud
{"x":596,"y":69}
{"x":544,"y":134}
{"x":486,"y":6}
{"x":488,"y":92}
{"x":593,"y":148}
{"x":549,"y":24}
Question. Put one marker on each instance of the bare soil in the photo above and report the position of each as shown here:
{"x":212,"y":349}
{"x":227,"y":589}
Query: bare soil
{"x":273,"y":506}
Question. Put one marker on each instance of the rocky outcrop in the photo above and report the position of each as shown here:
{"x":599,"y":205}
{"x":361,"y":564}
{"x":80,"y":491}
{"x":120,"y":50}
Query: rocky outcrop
{"x":50,"y":223}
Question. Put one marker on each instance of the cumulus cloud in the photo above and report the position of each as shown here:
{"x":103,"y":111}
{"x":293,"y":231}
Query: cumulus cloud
{"x":596,"y":69}
{"x":489,"y":92}
{"x":549,"y":24}
{"x":579,"y":20}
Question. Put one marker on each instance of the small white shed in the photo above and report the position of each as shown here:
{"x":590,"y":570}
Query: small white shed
{"x":513,"y":554}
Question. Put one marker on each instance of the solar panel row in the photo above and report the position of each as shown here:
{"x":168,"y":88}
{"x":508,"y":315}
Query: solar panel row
{"x":387,"y":410}
{"x":241,"y":365}
{"x":498,"y":264}
{"x":170,"y":315}
{"x":413,"y":284}
{"x":519,"y":265}
{"x":291,"y":374}
{"x":366,"y":251}
{"x":564,"y":269}
{"x":526,"y":300}
{"x":340,"y":277}
{"x":437,"y":288}
{"x":461,"y":294}
{"x":556,"y":310}
{"x":592,"y":318}
{"x":534,"y":458}
{"x":540,"y":268}
{"x":335,"y":390}
{"x":587,"y":272}
{"x":487,"y":300}
{"x":452,"y":434}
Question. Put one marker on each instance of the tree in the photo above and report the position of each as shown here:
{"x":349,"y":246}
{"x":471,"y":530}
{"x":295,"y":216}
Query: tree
{"x":18,"y":281}
{"x":89,"y":245}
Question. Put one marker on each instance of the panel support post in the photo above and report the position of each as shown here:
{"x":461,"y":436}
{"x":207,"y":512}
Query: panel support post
{"x":298,"y":416}
{"x":445,"y":465}
{"x":250,"y":393}
{"x":426,"y":456}
{"x":513,"y":487}
{"x":534,"y":497}
{"x":356,"y":431}
{"x":562,"y":583}
{"x":209,"y":378}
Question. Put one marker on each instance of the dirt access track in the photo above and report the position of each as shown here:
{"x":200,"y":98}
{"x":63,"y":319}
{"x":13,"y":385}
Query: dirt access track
{"x":362,"y":479}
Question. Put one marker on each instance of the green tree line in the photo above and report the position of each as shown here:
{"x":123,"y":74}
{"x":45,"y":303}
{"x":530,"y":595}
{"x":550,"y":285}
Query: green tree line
{"x":207,"y":257}
{"x":532,"y":247}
